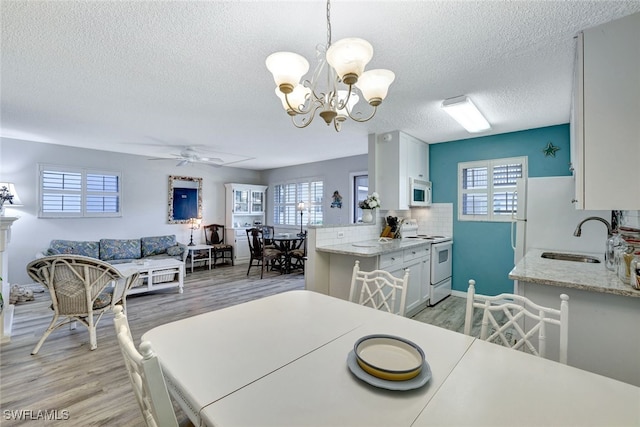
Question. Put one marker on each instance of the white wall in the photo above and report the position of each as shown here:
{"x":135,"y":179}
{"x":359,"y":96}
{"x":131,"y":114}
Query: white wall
{"x":334,"y":173}
{"x":144,"y":198}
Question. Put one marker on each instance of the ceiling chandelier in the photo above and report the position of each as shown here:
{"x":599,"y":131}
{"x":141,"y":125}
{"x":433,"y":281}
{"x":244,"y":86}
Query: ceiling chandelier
{"x":339,"y":64}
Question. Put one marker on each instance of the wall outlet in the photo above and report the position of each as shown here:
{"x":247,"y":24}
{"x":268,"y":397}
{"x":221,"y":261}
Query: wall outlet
{"x":340,"y":234}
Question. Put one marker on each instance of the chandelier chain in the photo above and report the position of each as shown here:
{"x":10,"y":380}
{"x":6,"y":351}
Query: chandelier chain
{"x":328,"y":23}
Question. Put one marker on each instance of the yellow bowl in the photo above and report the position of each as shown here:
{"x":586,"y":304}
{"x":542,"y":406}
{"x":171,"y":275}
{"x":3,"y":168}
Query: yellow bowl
{"x":389,"y":357}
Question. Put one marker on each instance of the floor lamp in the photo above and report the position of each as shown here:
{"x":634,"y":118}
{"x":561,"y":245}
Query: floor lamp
{"x":301,"y":209}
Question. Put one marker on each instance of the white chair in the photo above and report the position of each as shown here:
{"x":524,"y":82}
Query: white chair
{"x":506,"y":314}
{"x":379,"y":289}
{"x":146,"y":377}
{"x":82,"y":289}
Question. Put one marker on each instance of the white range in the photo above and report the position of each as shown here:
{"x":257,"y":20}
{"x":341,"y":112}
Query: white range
{"x":441,"y":250}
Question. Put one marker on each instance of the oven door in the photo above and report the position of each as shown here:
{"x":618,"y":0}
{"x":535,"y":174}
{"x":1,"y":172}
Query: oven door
{"x":440,"y":261}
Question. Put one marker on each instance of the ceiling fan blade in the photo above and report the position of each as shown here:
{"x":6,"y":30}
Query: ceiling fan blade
{"x":210,"y":160}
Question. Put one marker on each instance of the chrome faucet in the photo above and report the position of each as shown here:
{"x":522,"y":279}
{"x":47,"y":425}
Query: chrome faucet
{"x":578,"y":231}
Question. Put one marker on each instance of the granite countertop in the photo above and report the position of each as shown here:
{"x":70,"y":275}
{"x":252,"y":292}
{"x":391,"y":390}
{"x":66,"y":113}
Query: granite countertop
{"x":369,"y":248}
{"x":570,"y":274}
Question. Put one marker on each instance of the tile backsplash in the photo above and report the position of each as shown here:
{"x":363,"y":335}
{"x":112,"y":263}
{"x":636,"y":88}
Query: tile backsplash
{"x":327,"y":236}
{"x":435,"y":220}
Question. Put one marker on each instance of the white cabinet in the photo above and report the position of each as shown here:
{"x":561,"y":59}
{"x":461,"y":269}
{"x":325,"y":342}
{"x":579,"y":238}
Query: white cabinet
{"x":398,"y":157}
{"x":416,"y":260}
{"x":241,"y":253}
{"x":605,"y":125}
{"x":245,"y":206}
{"x":417,"y":158}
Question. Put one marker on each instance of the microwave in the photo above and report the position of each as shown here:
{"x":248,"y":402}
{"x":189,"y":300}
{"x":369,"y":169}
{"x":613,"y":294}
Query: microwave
{"x":419,"y":192}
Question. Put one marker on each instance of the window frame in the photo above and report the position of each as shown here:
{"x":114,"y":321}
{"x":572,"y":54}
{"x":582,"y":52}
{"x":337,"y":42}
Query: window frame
{"x":490,"y":191}
{"x":290,"y":206}
{"x":355,"y":216}
{"x":84,"y":192}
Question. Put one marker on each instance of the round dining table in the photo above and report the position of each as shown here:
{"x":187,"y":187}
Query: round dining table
{"x":287,"y":243}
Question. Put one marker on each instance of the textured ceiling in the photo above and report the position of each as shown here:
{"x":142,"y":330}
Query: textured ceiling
{"x":149,"y":77}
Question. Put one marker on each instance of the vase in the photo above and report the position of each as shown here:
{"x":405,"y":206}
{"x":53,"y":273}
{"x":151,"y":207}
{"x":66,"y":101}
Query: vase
{"x":367,"y":215}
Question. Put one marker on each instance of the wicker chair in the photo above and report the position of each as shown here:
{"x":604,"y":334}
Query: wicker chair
{"x":214,"y":236}
{"x":82,"y":289}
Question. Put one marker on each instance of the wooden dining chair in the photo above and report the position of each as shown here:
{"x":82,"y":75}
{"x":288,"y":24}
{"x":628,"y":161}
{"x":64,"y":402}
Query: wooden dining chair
{"x":82,"y":289}
{"x":146,"y":377}
{"x":379,"y":289}
{"x":298,"y":254}
{"x":268,"y":231}
{"x":214,"y":235}
{"x":517,"y":322}
{"x":261,"y":256}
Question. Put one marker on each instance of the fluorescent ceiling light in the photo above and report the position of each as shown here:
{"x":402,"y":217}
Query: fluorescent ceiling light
{"x":465,"y":112}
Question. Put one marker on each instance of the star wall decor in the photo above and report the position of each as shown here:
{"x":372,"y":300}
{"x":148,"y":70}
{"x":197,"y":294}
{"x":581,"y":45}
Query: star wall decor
{"x":550,"y":150}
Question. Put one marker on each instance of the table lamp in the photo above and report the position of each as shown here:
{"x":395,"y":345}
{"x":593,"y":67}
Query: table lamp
{"x":301,"y":209}
{"x":194,"y":225}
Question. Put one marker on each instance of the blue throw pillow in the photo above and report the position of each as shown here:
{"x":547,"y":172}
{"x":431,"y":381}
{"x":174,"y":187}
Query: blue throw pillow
{"x":174,"y":250}
{"x":111,"y":249}
{"x":156,"y":245}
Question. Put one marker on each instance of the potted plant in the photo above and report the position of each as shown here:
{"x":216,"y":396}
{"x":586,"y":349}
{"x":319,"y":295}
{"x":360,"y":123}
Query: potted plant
{"x":368,"y":205}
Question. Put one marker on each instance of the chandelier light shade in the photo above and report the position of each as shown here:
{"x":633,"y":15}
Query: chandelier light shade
{"x":374,"y":85}
{"x":287,"y":69}
{"x":348,"y":57}
{"x":297,"y":98}
{"x":464,"y":111}
{"x":330,"y":91}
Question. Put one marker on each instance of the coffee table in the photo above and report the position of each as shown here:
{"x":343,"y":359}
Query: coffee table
{"x":155,"y":274}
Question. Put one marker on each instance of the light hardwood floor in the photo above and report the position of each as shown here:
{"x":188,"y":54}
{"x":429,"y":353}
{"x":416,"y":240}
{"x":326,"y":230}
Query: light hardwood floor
{"x":93,"y":386}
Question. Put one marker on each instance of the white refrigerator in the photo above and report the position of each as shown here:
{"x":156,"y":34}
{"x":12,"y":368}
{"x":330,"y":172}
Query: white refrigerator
{"x":547,"y":219}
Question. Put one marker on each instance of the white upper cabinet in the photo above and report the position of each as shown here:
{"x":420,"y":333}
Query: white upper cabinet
{"x":606,"y":116}
{"x":245,"y":204}
{"x":398,"y":157}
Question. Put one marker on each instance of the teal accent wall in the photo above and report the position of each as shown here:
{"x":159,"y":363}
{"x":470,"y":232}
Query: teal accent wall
{"x":482,"y":250}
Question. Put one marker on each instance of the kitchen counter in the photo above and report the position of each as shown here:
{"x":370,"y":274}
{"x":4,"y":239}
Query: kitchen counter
{"x":371,"y":248}
{"x":590,"y":277}
{"x":604,"y":313}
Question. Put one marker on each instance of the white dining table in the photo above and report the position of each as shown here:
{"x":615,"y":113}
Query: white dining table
{"x":282,"y":361}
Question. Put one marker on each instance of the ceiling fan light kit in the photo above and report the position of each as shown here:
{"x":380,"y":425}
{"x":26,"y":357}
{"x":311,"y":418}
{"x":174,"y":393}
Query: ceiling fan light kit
{"x":188,"y":155}
{"x":340,"y":63}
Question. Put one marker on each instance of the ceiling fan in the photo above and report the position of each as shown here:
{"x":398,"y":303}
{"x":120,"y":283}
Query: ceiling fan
{"x":188,"y":155}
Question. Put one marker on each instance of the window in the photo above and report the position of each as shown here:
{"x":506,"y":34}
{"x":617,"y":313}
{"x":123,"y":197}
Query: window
{"x":359,"y":192}
{"x":487,"y":189}
{"x":75,"y":192}
{"x":287,"y":196}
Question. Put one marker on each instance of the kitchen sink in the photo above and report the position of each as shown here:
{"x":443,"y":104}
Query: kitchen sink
{"x":570,"y":257}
